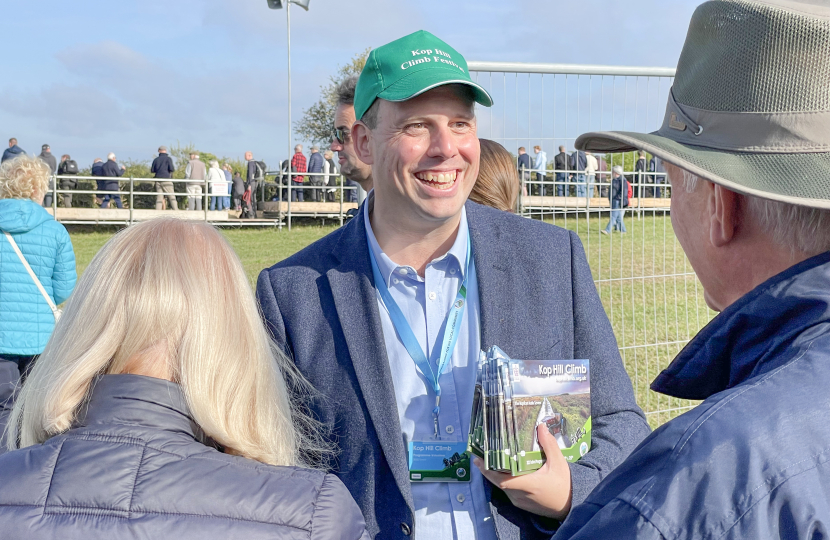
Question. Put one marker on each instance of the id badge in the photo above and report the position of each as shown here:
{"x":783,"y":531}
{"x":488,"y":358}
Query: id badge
{"x":438,"y":461}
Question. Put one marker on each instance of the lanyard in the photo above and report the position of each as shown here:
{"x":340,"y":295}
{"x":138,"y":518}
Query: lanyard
{"x":408,"y":338}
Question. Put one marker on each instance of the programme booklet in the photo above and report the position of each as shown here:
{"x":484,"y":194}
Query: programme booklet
{"x":512,"y":397}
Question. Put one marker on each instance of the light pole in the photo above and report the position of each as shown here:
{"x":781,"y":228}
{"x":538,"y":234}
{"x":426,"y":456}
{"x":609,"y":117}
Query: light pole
{"x":277,"y":4}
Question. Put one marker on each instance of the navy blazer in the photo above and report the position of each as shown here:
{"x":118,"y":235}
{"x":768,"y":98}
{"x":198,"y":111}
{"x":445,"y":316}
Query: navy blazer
{"x":538,"y":301}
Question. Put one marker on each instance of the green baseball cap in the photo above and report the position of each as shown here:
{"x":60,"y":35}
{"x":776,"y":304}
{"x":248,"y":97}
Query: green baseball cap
{"x":410,"y":66}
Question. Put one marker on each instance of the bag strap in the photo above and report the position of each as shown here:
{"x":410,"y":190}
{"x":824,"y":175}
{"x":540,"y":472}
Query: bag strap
{"x":32,"y":274}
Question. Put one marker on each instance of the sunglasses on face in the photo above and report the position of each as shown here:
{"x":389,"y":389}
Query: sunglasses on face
{"x":341,"y":135}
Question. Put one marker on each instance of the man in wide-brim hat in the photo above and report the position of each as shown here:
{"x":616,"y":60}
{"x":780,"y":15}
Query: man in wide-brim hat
{"x":746,"y":143}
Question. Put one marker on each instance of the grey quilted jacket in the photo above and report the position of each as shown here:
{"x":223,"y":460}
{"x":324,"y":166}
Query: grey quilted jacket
{"x":133,"y":468}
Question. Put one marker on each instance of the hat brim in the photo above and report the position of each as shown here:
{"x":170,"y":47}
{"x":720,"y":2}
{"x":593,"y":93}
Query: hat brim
{"x":799,"y":178}
{"x":425,"y":80}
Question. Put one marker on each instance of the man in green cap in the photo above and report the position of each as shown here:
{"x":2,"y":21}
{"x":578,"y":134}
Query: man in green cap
{"x":387,"y":315}
{"x":746,"y":144}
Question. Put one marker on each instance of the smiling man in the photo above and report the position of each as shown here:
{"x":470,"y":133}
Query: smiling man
{"x":386,"y":316}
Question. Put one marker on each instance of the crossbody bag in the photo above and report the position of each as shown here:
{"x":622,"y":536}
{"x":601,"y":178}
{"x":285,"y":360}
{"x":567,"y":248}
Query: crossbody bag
{"x":55,"y":311}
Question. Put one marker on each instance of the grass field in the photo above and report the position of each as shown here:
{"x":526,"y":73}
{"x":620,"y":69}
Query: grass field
{"x":649,"y":291}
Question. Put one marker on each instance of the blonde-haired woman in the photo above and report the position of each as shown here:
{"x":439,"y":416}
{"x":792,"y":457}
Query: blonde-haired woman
{"x":26,"y":316}
{"x":498,"y":180}
{"x":146,"y":416}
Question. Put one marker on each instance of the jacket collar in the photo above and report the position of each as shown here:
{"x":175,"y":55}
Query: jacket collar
{"x":748,"y":337}
{"x":138,"y":401}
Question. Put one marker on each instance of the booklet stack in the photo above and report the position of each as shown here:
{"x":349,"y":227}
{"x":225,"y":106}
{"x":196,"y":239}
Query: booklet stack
{"x":512,"y":397}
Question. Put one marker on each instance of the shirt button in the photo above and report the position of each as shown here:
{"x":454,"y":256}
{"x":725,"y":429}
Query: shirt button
{"x":460,"y":498}
{"x":395,"y":281}
{"x":450,"y":429}
{"x":405,"y":529}
{"x":432,"y":295}
{"x":402,"y":271}
{"x":452,"y":271}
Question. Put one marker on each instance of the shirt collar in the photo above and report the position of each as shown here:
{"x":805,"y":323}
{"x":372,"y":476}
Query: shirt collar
{"x":387,"y":266}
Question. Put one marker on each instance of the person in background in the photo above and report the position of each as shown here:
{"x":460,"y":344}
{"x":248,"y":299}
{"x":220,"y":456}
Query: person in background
{"x":144,"y":379}
{"x":658,"y":175}
{"x":47,"y":157}
{"x":226,"y":168}
{"x":750,"y":460}
{"x":26,"y":317}
{"x":497,"y":184}
{"x":12,"y":151}
{"x":640,"y":169}
{"x":618,"y":197}
{"x":315,"y":165}
{"x":523,"y":165}
{"x":255,"y":175}
{"x":591,"y":167}
{"x":579,"y":162}
{"x":218,"y":186}
{"x":68,"y":168}
{"x":298,"y":164}
{"x":196,"y":173}
{"x":330,"y":170}
{"x":98,"y":170}
{"x":163,"y":167}
{"x":353,"y":170}
{"x":112,"y":169}
{"x":560,"y":164}
{"x":541,"y":166}
{"x":238,"y":191}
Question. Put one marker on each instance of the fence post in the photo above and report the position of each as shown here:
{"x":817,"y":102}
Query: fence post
{"x":55,"y":197}
{"x":290,"y":185}
{"x":132,"y":199}
{"x":342,"y":181}
{"x":206,"y":197}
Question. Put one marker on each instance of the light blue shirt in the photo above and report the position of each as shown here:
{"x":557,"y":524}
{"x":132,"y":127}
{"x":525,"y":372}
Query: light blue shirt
{"x":443,"y":510}
{"x":541,"y":162}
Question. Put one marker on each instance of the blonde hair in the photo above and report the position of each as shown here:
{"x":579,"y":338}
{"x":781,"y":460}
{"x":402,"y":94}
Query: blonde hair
{"x":175,"y":286}
{"x":24,"y":177}
{"x":497,"y":184}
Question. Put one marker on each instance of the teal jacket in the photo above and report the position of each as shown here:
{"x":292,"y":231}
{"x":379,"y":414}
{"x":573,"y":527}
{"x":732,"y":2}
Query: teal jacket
{"x":26,"y":321}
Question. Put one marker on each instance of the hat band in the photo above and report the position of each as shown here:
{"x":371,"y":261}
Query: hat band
{"x":765,"y":132}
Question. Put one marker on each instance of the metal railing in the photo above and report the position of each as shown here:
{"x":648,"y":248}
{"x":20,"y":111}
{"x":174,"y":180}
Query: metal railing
{"x":651,"y":295}
{"x":276,"y":210}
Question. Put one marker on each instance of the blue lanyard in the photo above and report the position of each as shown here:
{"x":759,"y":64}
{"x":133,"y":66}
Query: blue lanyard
{"x":451,"y":328}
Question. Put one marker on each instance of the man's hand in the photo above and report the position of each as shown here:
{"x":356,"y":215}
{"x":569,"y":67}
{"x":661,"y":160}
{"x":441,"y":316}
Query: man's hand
{"x":546,"y":492}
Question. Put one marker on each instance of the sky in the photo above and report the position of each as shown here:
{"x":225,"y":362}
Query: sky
{"x":94,"y":77}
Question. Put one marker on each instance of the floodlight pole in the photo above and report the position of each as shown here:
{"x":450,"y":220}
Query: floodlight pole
{"x":288,"y":32}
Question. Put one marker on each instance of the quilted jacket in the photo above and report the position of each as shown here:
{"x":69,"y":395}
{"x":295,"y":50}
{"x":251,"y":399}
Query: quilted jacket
{"x":132,"y":467}
{"x":26,"y":321}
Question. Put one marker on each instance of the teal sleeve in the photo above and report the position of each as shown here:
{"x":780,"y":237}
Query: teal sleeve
{"x":64,"y":275}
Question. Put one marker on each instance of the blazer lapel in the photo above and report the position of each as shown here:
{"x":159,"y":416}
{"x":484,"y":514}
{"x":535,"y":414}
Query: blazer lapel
{"x":495,"y":304}
{"x":356,"y":303}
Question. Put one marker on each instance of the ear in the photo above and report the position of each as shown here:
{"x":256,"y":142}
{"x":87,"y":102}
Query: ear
{"x":362,"y":138}
{"x":723,"y":215}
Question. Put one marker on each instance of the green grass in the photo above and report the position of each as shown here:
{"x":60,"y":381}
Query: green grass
{"x":650,"y":294}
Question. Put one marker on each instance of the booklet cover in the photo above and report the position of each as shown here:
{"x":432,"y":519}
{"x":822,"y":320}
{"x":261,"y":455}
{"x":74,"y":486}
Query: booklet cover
{"x":512,"y":397}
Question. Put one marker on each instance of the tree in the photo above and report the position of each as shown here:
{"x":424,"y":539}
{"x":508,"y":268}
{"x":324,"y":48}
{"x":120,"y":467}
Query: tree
{"x":317,"y":121}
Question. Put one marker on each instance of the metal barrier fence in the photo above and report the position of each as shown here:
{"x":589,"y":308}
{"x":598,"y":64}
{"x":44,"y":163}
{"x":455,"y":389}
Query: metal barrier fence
{"x":327,"y":201}
{"x":650,"y":293}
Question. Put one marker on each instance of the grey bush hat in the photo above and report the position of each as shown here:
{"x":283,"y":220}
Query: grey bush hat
{"x":750,"y":104}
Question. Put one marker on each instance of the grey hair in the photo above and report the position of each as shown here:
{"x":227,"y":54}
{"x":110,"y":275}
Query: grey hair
{"x":214,"y":163}
{"x":345,"y":90}
{"x":800,"y":228}
{"x":617,"y":169}
{"x":110,"y":156}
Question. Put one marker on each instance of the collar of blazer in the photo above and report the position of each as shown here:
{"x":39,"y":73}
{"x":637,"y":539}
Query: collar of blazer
{"x":354,"y":295}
